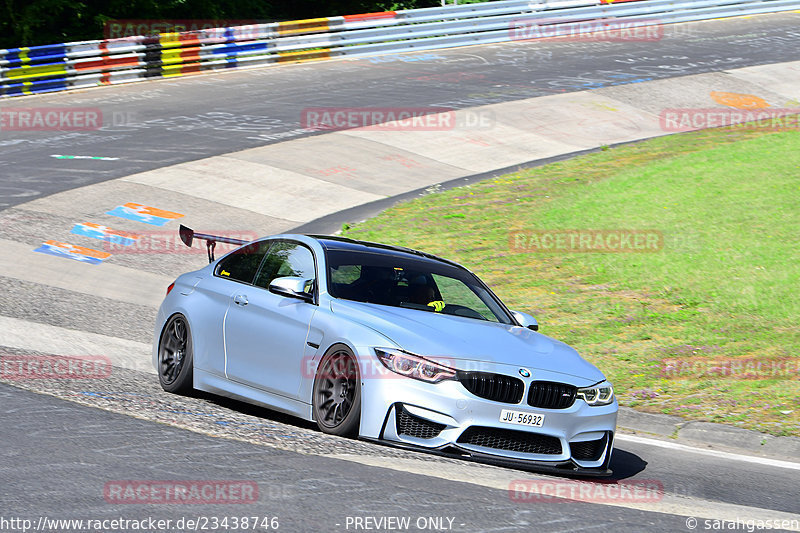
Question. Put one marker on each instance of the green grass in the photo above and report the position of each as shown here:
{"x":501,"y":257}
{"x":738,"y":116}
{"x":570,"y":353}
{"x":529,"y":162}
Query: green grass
{"x":725,"y":286}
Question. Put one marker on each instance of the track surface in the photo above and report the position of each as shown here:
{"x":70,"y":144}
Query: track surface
{"x":60,"y":454}
{"x":66,"y":453}
{"x":306,"y":493}
{"x":81,"y":449}
{"x":167,"y":122}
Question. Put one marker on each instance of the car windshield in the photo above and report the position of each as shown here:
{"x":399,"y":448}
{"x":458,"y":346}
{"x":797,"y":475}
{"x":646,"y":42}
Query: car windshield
{"x":403,"y":280}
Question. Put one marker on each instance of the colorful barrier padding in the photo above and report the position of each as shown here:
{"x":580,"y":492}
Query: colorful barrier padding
{"x":57,"y":67}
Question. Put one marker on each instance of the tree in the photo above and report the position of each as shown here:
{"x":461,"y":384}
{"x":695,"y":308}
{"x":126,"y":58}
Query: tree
{"x":36,"y":22}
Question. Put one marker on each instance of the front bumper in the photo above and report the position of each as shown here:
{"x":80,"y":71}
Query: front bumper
{"x":447,"y":418}
{"x":565,"y":468}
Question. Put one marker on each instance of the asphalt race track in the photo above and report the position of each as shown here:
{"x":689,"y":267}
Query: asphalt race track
{"x":65,"y":441}
{"x":168,"y":122}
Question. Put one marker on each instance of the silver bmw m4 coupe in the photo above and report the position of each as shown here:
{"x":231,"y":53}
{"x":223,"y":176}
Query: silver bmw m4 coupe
{"x":387,"y":344}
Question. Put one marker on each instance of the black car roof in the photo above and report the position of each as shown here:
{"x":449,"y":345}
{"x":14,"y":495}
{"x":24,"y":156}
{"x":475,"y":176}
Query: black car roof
{"x":343,"y":243}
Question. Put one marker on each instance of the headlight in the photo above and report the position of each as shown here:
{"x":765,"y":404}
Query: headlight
{"x":414,"y":366}
{"x":600,"y":394}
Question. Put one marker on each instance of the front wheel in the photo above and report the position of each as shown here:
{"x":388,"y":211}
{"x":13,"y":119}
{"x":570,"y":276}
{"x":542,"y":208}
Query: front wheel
{"x":337,"y":393}
{"x":175,"y":359}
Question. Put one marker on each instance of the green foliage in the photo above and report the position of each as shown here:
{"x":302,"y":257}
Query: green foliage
{"x":37,"y":22}
{"x":721,"y":291}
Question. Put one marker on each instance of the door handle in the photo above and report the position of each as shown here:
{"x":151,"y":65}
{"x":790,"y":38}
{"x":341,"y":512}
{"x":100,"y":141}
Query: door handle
{"x":240,"y":299}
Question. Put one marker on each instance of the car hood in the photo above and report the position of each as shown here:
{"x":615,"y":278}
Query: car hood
{"x":450,"y":337}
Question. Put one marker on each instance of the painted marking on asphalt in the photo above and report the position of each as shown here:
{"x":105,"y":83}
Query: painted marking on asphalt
{"x":713,"y":453}
{"x":104,"y":233}
{"x":124,"y":284}
{"x":144,"y":213}
{"x":71,"y":251}
{"x":92,"y":157}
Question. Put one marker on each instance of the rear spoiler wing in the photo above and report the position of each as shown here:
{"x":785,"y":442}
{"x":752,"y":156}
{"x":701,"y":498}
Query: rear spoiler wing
{"x":188,"y":236}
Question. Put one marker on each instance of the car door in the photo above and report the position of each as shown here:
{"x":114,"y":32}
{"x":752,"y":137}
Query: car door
{"x":211,"y":300}
{"x":265,"y":333}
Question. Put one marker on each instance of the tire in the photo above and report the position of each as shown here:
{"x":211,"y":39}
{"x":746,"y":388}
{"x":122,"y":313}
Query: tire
{"x":175,"y":360}
{"x":336,"y":398}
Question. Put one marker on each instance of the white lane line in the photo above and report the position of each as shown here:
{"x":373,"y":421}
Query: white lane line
{"x":92,"y":157}
{"x":55,"y":340}
{"x":503,"y":479}
{"x":713,"y":453}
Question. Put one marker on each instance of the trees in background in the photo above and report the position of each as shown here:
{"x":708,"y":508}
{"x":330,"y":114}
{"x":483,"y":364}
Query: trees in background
{"x":34,"y":22}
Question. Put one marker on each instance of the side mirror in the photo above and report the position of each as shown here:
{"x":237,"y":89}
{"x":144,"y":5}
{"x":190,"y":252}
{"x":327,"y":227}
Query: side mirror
{"x":291,"y":287}
{"x":525,"y":320}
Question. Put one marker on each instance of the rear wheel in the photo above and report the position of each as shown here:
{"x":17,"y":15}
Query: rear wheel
{"x":337,"y":393}
{"x":175,"y":360}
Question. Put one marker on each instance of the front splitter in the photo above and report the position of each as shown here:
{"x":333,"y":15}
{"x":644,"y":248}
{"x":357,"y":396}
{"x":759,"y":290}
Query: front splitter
{"x":563,"y":468}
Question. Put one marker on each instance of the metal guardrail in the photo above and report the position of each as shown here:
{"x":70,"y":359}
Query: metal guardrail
{"x":58,"y":67}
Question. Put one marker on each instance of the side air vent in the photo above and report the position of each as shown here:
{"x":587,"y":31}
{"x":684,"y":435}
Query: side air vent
{"x":590,"y":450}
{"x":414,"y":426}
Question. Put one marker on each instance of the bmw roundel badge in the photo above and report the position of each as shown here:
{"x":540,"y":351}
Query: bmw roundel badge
{"x":524,"y":372}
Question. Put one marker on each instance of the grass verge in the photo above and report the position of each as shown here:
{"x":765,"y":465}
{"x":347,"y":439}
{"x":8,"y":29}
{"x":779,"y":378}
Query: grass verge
{"x":705,"y":327}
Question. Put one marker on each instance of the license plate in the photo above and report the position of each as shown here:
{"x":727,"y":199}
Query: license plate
{"x":521,"y":418}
